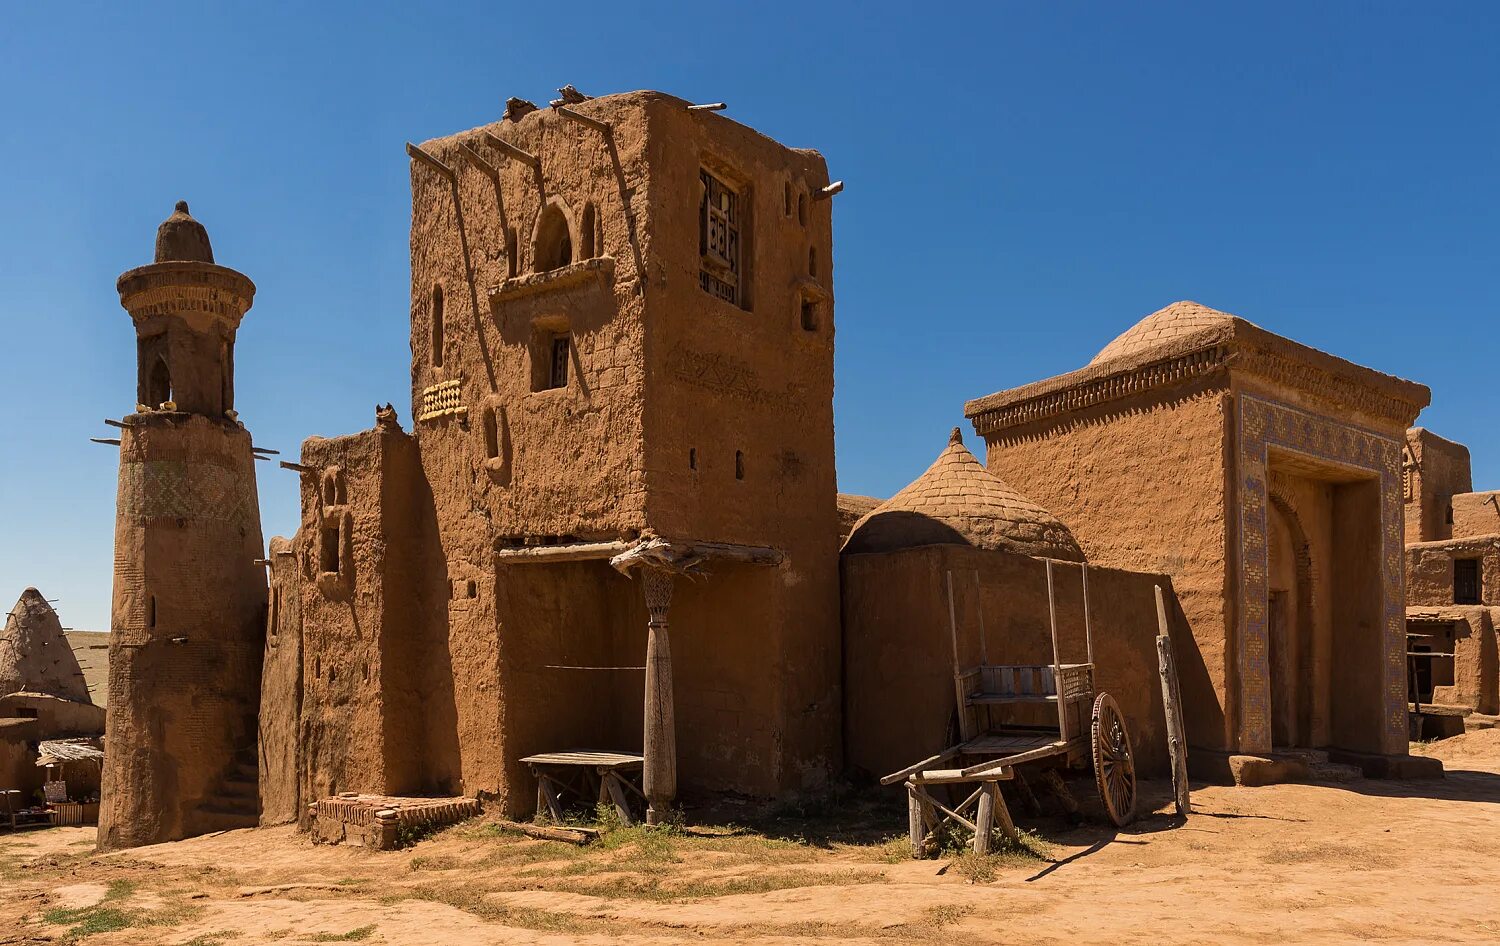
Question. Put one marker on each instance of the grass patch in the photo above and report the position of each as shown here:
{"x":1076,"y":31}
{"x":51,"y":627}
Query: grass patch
{"x":213,"y":939}
{"x":102,"y":918}
{"x":353,"y":936}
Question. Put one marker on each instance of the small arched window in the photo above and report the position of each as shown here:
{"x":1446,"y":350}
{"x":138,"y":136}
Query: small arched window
{"x":587,"y":239}
{"x":437,"y":326}
{"x":553,"y":245}
{"x":159,"y":387}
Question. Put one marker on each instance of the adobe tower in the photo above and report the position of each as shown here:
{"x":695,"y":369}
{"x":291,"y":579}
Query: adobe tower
{"x":189,"y":595}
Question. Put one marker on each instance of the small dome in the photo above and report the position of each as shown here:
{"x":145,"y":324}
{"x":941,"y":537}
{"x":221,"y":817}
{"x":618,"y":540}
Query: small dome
{"x":958,"y":502}
{"x":181,"y":239}
{"x":1175,"y":321}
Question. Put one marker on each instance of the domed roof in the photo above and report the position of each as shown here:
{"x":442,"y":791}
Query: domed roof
{"x":1161,"y":326}
{"x":35,"y":656}
{"x":958,"y":502}
{"x":181,"y":239}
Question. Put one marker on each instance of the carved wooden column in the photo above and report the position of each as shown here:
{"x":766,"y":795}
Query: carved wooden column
{"x":659,"y":774}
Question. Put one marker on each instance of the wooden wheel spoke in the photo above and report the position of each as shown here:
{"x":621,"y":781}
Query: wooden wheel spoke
{"x":1114,"y":768}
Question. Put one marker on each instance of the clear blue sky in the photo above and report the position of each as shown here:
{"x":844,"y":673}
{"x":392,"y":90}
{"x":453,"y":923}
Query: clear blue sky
{"x":1024,"y":182}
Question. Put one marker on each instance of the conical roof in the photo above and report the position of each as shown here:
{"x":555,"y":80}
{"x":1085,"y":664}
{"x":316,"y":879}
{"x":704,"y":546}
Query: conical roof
{"x":959,"y":502}
{"x":34,"y":654}
{"x":180,"y":238}
{"x":1163,"y":325}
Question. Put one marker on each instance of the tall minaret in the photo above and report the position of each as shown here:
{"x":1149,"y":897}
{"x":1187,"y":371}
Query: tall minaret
{"x":189,"y":603}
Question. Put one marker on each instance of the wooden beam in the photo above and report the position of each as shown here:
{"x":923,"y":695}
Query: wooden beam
{"x":474,"y":158}
{"x":824,"y":193}
{"x":297,"y":467}
{"x":594,"y":123}
{"x":116,"y":423}
{"x":104,"y":440}
{"x":553,"y":554}
{"x":1171,"y":698}
{"x":512,"y":152}
{"x":708,"y":107}
{"x":427,"y":159}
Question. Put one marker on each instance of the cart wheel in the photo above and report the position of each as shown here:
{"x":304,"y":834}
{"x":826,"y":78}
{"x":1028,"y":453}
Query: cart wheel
{"x":1114,"y":767}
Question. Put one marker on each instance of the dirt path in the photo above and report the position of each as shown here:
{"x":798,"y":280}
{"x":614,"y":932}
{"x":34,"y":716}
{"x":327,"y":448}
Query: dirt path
{"x":1394,"y":862}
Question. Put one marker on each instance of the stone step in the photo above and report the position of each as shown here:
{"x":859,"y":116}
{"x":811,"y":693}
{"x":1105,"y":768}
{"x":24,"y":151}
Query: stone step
{"x":1305,"y":756}
{"x":245,"y":770}
{"x":1334,"y":772}
{"x":224,"y":805}
{"x":211,"y":819}
{"x":239,"y":788}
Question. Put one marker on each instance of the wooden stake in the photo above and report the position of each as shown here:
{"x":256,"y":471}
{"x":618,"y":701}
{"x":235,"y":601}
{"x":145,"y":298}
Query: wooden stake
{"x":1171,"y":698}
{"x":979,"y":603}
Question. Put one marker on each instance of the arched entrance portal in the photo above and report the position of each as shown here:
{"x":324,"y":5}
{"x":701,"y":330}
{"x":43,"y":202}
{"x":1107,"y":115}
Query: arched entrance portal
{"x":1289,"y":628}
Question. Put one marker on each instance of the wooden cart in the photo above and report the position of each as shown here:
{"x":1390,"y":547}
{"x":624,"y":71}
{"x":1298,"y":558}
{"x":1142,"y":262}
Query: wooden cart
{"x":1090,"y":728}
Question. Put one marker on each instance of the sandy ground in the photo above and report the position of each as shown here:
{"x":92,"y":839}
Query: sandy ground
{"x":1393,"y":862}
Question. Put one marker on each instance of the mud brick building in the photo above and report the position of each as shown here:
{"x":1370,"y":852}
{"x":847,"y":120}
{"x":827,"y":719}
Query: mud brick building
{"x":1452,"y":582}
{"x":1265,"y":478}
{"x":610,"y":521}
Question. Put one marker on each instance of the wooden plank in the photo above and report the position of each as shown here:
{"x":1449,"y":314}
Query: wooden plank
{"x":982,"y":768}
{"x":617,"y":794}
{"x":910,"y":770}
{"x":1062,"y":711}
{"x":916,"y":825}
{"x":549,"y":795}
{"x":1002,"y":815}
{"x":570,"y":835}
{"x":946,"y":810}
{"x":1059,"y":790}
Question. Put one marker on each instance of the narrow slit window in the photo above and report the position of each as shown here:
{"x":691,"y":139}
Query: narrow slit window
{"x":151,"y":611}
{"x":739,"y":464}
{"x":1466,"y":581}
{"x":692,"y":458}
{"x":558,"y":368}
{"x":491,"y":434}
{"x":802,"y":209}
{"x":812,"y":262}
{"x":437,"y":326}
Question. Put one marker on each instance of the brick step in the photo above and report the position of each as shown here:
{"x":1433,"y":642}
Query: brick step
{"x":239,"y":788}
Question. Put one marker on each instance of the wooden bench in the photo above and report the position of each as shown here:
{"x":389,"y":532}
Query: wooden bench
{"x":584,"y":776}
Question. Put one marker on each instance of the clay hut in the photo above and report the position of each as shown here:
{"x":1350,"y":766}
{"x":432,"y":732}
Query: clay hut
{"x":35,"y":655}
{"x":1263,"y":476}
{"x":958,"y":523}
{"x":43,"y":696}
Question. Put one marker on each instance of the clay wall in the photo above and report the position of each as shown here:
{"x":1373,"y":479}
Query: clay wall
{"x":739,"y":418}
{"x":1438,"y":469}
{"x":377,"y":701}
{"x":898,"y":648}
{"x":281,"y":690}
{"x":18,"y":768}
{"x":1355,"y":718}
{"x":565,"y":461}
{"x":56,"y":718}
{"x":1143,"y":483}
{"x":1429,"y":570}
{"x":1476,"y":514}
{"x":187,"y":626}
{"x":1475,"y":666}
{"x":1307,"y":506}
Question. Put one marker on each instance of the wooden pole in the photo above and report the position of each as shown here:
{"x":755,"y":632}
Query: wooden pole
{"x":1062,"y":706}
{"x":915,"y":822}
{"x":1171,"y":698}
{"x":659,"y":741}
{"x":1088,"y":630}
{"x":964,"y":728}
{"x":984,"y":657}
{"x":984,"y":819}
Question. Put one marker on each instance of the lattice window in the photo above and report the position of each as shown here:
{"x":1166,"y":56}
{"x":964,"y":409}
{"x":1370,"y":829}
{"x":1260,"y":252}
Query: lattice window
{"x":442,"y":399}
{"x":1466,"y":581}
{"x":719,"y":221}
